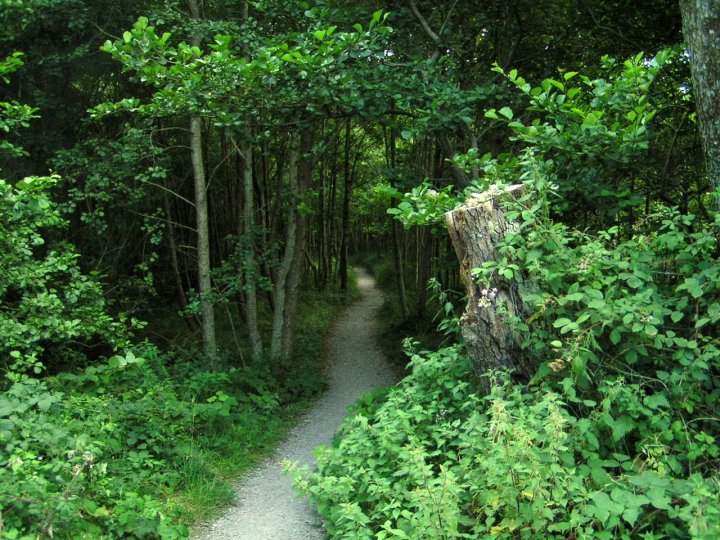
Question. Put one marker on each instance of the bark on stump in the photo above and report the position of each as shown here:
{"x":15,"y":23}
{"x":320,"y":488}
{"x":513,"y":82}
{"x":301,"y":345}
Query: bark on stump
{"x":475,"y":230}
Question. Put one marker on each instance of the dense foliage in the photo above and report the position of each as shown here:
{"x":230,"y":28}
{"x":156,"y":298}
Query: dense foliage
{"x":433,"y":460}
{"x":105,"y":452}
{"x":616,"y":434}
{"x":51,"y":312}
{"x":210,"y":166}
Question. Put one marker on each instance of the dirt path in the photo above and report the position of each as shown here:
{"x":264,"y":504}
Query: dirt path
{"x":266,"y":507}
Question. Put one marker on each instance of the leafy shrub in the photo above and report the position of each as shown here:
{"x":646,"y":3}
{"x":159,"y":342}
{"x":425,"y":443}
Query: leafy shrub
{"x":84,"y":453}
{"x":49,"y":309}
{"x":99,"y":453}
{"x":644,"y":308}
{"x":432,"y":462}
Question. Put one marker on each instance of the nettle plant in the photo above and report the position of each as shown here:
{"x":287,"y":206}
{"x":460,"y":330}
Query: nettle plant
{"x":432,"y":460}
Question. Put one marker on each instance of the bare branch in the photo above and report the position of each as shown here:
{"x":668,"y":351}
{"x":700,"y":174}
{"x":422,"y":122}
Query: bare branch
{"x":171,"y":192}
{"x":447,"y":18}
{"x":424,"y":24}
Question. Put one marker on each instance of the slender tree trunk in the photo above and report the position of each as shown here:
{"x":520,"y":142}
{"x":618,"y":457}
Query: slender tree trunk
{"x":475,"y":230}
{"x":397,"y":253}
{"x":207,"y":313}
{"x":425,"y":272}
{"x":250,"y":269}
{"x":276,"y":342}
{"x":399,"y":276}
{"x":701,"y":27}
{"x":297,"y":266}
{"x":172,"y":246}
{"x":322,"y":232}
{"x":265,"y":219}
{"x":333,"y":243}
{"x":346,"y":211}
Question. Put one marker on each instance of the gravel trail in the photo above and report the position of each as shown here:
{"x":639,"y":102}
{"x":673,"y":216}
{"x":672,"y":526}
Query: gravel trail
{"x":266,"y":506}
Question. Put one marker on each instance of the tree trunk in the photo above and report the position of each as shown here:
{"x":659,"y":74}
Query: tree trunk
{"x":323,"y":272}
{"x":475,"y":230}
{"x":250,"y":270}
{"x":399,"y":277}
{"x":701,"y":27}
{"x":391,"y":152}
{"x":332,"y":226}
{"x":276,"y":342}
{"x":425,"y":272}
{"x":172,"y":246}
{"x":346,"y":211}
{"x":207,"y":311}
{"x":297,"y":266}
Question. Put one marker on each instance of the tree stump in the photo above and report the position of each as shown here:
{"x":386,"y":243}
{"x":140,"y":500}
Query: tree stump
{"x":475,"y":229}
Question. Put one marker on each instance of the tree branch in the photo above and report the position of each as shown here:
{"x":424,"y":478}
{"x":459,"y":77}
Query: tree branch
{"x":424,"y":24}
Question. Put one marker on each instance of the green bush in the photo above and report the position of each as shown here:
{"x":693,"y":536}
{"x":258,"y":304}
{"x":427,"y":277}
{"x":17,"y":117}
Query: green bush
{"x":431,"y":461}
{"x":105,"y":452}
{"x":86,"y":453}
{"x":50,"y":312}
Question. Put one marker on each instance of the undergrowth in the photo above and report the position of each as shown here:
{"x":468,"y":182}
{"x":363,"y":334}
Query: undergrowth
{"x":148,"y":443}
{"x":433,"y":460}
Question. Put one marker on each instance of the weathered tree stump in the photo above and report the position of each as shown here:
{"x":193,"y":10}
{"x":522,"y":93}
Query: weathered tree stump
{"x":476,"y":229}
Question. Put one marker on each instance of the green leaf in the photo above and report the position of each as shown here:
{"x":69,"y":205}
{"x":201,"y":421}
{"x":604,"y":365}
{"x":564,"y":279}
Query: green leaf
{"x":506,"y":112}
{"x":676,"y":316}
{"x":45,"y":402}
{"x":621,"y":427}
{"x":562,"y":321}
{"x":630,"y":515}
{"x":702,"y":322}
{"x":657,"y":400}
{"x":605,"y":507}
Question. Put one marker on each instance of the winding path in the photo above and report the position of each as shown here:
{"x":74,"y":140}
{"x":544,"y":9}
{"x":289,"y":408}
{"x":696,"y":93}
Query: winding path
{"x":266,"y":506}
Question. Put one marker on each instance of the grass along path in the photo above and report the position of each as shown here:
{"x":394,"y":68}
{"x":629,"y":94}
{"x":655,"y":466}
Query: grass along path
{"x":266,"y":506}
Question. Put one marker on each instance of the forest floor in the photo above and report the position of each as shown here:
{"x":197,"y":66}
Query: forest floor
{"x":266,"y":505}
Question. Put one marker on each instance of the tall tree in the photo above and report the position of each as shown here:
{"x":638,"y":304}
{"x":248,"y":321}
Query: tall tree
{"x":701,"y":27}
{"x":250,"y":226}
{"x":345,"y":235}
{"x":207,"y":310}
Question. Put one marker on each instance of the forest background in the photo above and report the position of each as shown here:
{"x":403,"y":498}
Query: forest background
{"x":186,"y":182}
